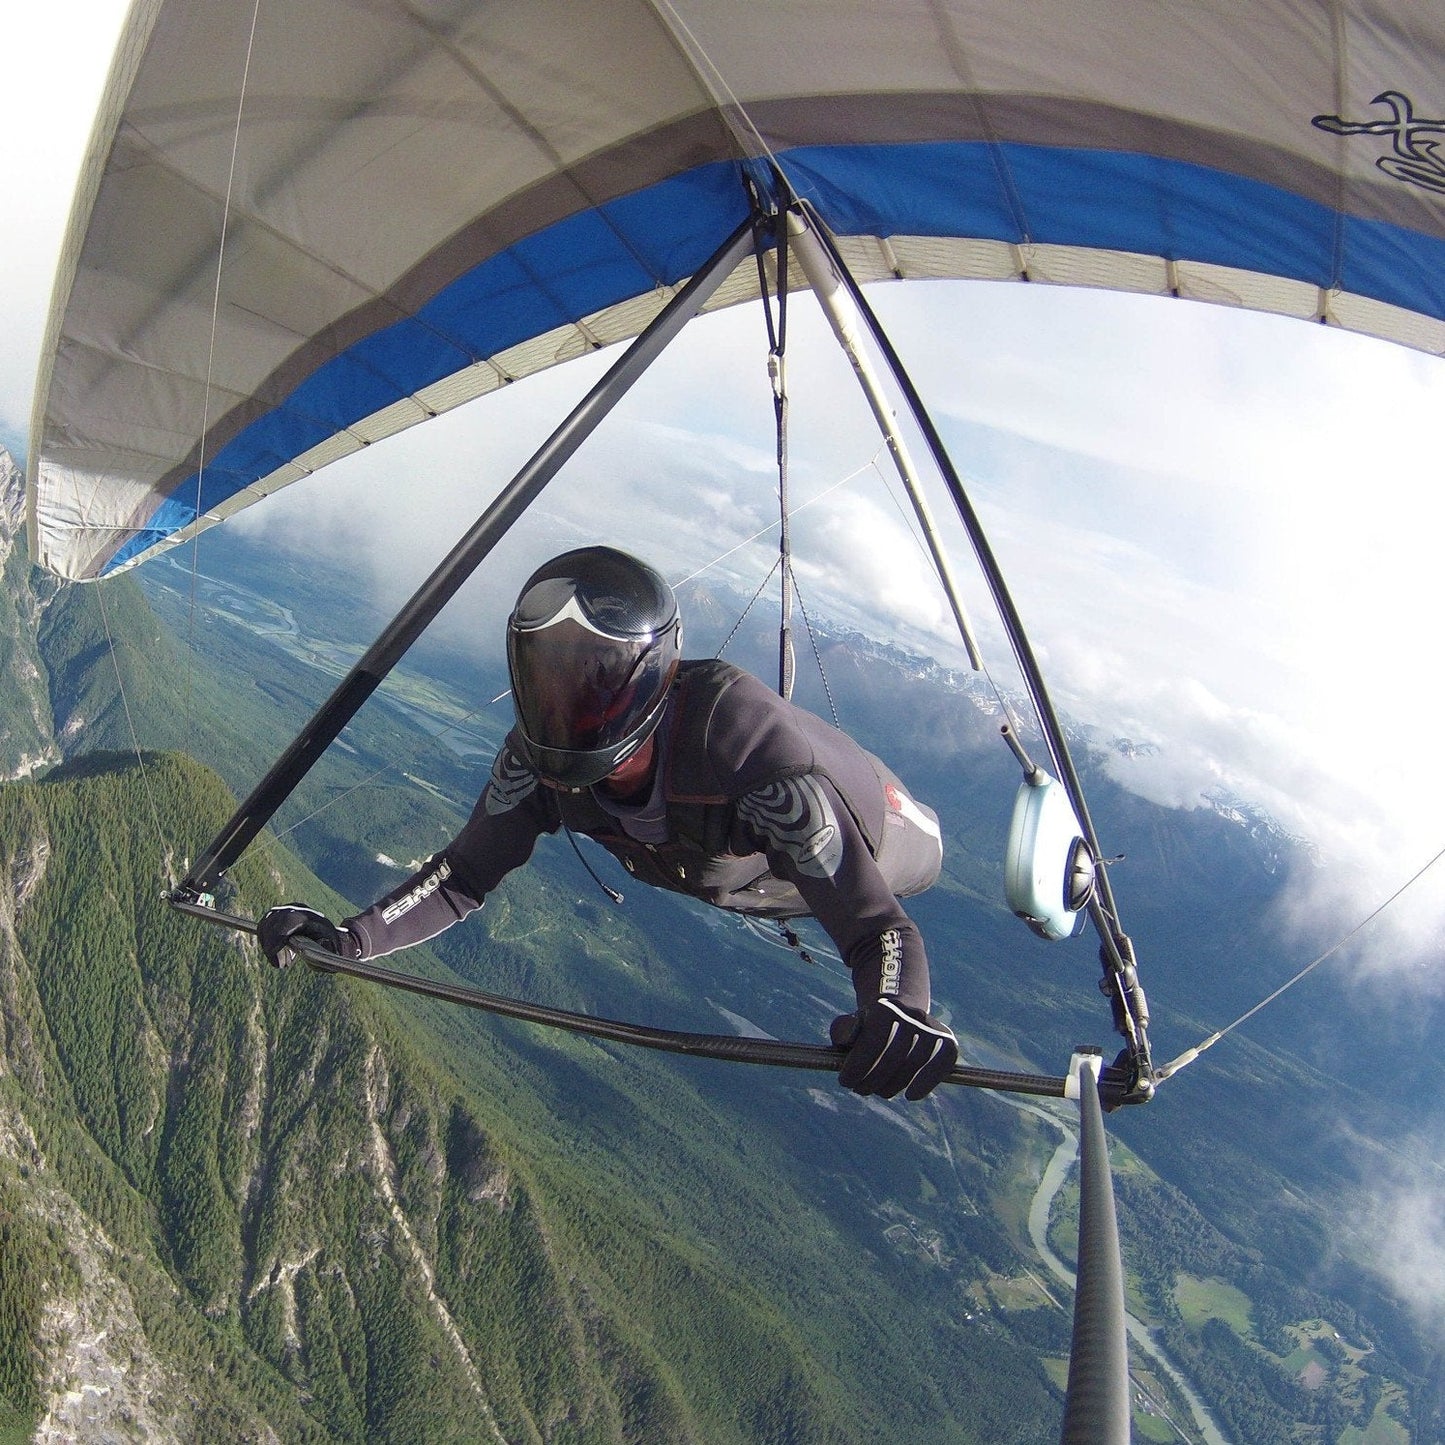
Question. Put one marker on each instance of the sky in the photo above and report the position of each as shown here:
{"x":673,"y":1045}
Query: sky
{"x":1221,"y":528}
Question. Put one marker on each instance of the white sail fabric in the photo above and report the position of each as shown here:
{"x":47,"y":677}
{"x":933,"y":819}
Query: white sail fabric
{"x":305,"y":226}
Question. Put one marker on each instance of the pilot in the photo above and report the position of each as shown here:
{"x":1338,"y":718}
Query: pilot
{"x":698,"y":778}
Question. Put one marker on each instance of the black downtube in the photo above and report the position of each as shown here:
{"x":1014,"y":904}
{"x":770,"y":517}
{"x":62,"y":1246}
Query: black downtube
{"x":1097,"y":1409}
{"x":993,"y":576}
{"x":460,"y":563}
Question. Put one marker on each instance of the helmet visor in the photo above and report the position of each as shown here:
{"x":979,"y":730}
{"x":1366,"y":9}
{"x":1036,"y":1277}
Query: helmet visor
{"x":584,"y":701}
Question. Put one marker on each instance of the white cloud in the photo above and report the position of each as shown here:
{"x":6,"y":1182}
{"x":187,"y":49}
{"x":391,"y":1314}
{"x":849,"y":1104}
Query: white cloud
{"x":1223,"y":531}
{"x":1399,"y":1232}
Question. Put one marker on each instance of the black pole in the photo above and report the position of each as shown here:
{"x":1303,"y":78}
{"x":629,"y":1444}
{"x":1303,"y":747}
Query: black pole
{"x":460,"y":563}
{"x":787,"y":664}
{"x":1097,"y":1409}
{"x":1102,"y":908}
{"x":779,"y":1052}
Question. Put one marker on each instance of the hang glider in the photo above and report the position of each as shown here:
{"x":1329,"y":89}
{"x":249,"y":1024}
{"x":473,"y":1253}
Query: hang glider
{"x":302,"y":228}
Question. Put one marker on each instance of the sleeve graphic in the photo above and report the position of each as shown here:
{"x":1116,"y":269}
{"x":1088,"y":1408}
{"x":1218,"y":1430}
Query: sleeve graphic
{"x":512,"y":782}
{"x":795,"y":817}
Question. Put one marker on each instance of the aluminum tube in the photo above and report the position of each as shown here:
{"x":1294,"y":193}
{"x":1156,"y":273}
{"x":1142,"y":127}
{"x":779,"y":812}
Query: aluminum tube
{"x":1097,"y":1409}
{"x":838,"y":307}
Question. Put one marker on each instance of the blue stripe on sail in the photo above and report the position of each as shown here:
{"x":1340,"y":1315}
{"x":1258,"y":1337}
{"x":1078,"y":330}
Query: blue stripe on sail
{"x":1096,"y":199}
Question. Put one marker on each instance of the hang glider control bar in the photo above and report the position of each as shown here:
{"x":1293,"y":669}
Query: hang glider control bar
{"x":822,"y":1058}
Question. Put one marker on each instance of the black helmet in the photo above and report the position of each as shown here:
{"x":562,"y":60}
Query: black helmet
{"x":592,"y":646}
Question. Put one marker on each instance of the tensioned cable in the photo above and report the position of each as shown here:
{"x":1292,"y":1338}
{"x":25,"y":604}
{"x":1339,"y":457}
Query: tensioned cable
{"x":763,"y":531}
{"x":200,"y":472}
{"x":211,"y":360}
{"x":691,"y":576}
{"x":1189,"y":1055}
{"x":743,"y":616}
{"x":818,"y":658}
{"x":741,"y":123}
{"x":778,"y":376}
{"x":386,"y":768}
{"x":129,"y":720}
{"x":733,"y":111}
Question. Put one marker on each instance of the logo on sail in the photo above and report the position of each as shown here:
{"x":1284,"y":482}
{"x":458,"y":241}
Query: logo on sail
{"x":1415,"y":154}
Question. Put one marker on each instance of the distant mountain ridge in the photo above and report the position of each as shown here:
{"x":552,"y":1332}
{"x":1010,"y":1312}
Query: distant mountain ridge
{"x":1279,"y":846}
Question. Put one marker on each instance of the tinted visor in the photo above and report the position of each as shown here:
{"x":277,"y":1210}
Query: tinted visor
{"x":584,"y":700}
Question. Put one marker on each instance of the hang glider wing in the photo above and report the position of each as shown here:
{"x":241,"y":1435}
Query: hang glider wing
{"x":304,"y":227}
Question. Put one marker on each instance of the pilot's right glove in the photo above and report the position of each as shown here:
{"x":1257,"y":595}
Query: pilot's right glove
{"x":893,"y":1049}
{"x":278,"y":926}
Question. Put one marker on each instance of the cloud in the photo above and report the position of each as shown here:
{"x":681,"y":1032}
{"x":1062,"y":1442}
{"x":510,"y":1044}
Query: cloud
{"x":1222,"y":531}
{"x":1398,"y":1231}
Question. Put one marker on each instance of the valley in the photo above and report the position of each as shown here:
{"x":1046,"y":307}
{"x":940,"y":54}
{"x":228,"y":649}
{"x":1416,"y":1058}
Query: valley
{"x":787,"y":1211}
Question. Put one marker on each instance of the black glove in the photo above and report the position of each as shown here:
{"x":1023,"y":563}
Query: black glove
{"x":892,"y":1049}
{"x":279,"y":926}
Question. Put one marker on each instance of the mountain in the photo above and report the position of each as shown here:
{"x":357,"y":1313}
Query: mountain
{"x":356,"y":1226}
{"x":81,"y":657}
{"x":292,"y":1199}
{"x":261,"y":1180}
{"x":27,"y":730}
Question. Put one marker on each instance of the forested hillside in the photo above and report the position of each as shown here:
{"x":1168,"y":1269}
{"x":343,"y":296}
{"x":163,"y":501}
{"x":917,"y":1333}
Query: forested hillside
{"x":260,"y":1180}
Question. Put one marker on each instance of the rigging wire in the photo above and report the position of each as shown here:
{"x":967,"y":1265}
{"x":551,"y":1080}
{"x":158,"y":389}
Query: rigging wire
{"x":211,"y":362}
{"x":787,"y":578}
{"x":735,"y":113}
{"x":1189,"y":1055}
{"x":743,"y":616}
{"x":818,"y":658}
{"x":777,"y":375}
{"x":129,"y":720}
{"x":763,"y":531}
{"x":386,"y":768}
{"x":189,"y":706}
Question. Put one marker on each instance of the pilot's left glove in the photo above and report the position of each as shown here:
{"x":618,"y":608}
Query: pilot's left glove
{"x":893,"y":1049}
{"x":278,"y":926}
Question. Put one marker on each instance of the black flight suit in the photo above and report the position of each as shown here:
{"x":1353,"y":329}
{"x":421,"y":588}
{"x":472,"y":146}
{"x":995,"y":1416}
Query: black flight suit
{"x":757,"y":807}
